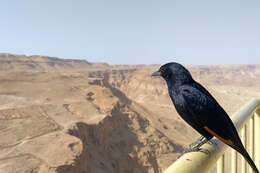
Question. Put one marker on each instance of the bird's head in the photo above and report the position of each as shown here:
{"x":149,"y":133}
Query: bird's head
{"x":174,"y":73}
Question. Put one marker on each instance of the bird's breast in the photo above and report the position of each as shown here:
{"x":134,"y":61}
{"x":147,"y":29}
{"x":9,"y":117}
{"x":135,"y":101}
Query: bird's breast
{"x":178,"y":102}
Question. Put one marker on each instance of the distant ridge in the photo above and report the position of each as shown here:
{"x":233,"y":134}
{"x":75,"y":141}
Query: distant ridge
{"x":12,"y":62}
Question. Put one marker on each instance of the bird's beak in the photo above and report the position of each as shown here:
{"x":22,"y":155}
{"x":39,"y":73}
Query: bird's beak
{"x":157,"y":73}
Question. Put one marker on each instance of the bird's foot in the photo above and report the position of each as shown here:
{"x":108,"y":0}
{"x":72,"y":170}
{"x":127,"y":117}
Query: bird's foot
{"x":195,"y":149}
{"x":210,"y":142}
{"x":198,"y":141}
{"x":204,"y":151}
{"x":197,"y":146}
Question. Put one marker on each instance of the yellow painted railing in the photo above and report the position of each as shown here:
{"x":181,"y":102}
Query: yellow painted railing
{"x":246,"y":118}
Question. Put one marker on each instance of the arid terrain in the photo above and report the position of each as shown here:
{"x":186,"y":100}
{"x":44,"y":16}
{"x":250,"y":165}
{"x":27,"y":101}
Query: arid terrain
{"x":64,"y":116}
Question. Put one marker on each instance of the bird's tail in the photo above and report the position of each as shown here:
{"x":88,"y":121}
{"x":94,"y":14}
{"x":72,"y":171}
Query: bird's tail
{"x":248,"y":159}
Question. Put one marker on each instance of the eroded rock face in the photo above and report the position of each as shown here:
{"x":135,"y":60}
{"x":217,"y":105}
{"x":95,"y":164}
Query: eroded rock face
{"x":122,"y":142}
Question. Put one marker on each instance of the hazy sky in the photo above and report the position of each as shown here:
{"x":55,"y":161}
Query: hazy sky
{"x":134,"y":31}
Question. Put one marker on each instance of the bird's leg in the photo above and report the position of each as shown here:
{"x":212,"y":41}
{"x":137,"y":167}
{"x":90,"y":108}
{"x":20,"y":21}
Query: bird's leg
{"x":196,"y":142}
{"x":197,"y":147}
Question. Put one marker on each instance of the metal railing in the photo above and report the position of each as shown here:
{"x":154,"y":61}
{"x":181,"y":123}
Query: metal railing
{"x":246,"y":118}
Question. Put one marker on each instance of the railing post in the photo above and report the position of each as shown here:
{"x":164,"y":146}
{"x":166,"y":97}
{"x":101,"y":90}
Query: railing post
{"x":251,"y":140}
{"x":220,"y":164}
{"x":234,"y":161}
{"x":243,"y":139}
{"x":257,"y":138}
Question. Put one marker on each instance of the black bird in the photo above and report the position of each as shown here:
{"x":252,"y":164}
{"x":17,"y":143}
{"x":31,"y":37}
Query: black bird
{"x":200,"y":110}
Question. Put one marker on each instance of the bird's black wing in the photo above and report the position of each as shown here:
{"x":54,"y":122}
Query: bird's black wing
{"x":207,"y":112}
{"x":198,"y":104}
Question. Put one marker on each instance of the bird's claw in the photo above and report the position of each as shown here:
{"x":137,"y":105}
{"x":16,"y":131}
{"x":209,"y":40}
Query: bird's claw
{"x":192,"y":145}
{"x":204,"y":151}
{"x":195,"y":149}
{"x":211,"y":143}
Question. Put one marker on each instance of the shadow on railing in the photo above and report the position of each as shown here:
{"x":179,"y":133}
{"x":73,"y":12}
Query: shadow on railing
{"x":246,"y":118}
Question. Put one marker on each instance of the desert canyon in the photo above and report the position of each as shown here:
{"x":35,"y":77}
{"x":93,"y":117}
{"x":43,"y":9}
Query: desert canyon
{"x":73,"y":116}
